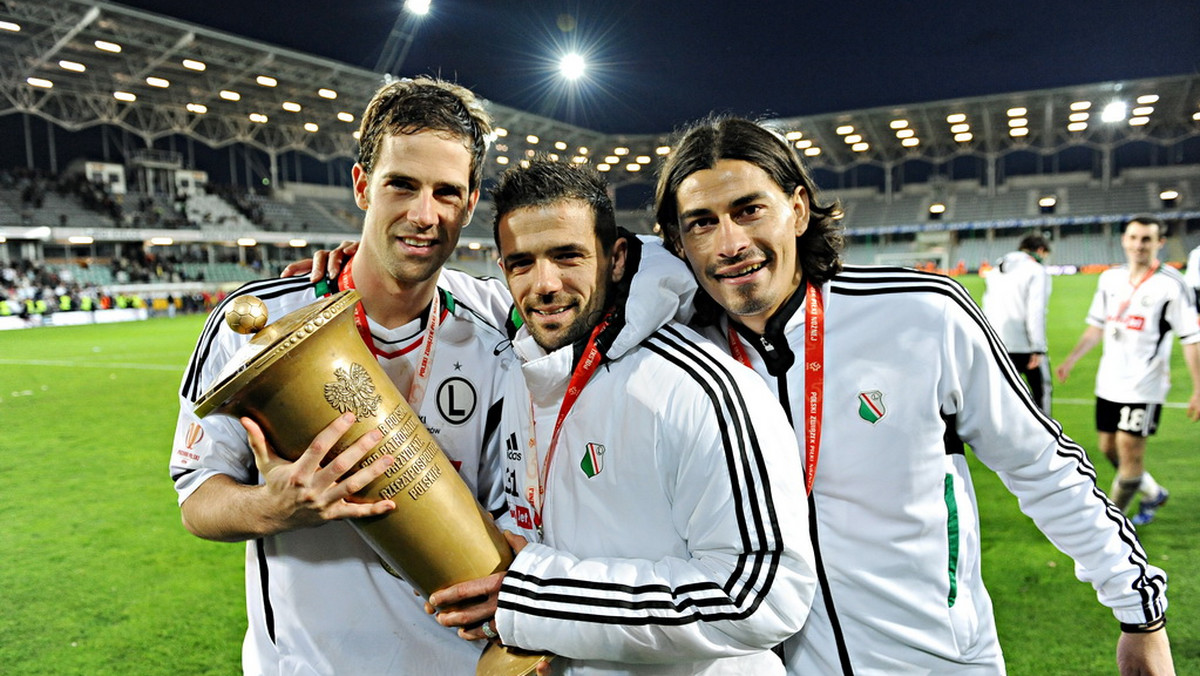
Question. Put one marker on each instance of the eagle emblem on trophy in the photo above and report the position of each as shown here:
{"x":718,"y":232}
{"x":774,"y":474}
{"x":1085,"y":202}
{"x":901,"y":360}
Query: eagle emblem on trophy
{"x":353,"y":391}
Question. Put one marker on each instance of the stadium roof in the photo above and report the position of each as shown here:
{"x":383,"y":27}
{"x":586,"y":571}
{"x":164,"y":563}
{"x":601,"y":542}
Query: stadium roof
{"x":82,"y":63}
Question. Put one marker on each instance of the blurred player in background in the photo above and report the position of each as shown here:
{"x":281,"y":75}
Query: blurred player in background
{"x":1136,"y":309}
{"x":1016,"y":302}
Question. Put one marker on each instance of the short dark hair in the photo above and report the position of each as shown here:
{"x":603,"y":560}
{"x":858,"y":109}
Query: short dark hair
{"x":703,"y":144}
{"x":1146,"y":219}
{"x":545,"y":182}
{"x":411,"y":106}
{"x":1034,"y":242}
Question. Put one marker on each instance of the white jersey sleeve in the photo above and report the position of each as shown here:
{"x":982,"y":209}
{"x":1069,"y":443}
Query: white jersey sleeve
{"x":1048,"y":472}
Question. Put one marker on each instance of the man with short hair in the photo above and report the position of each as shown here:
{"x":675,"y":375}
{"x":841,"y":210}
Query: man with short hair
{"x":319,"y":599}
{"x":1136,"y":308}
{"x":888,"y":374}
{"x":643,"y":468}
{"x":1016,"y":303}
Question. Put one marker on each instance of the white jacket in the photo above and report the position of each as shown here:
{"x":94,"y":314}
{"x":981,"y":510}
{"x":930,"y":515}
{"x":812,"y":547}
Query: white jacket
{"x":674,"y":541}
{"x":897,"y":529}
{"x":1016,"y":301}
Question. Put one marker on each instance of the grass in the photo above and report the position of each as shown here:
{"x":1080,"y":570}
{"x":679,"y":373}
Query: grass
{"x":99,"y":577}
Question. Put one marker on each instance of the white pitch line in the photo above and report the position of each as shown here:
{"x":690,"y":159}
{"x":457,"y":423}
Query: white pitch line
{"x":92,"y":364}
{"x":1092,"y":402}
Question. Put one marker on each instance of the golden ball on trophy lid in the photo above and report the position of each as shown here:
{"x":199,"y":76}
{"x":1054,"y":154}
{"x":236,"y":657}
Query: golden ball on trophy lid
{"x":246,"y":314}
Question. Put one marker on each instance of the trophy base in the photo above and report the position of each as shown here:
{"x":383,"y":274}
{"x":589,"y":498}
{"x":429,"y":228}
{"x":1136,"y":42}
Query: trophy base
{"x":501,"y":660}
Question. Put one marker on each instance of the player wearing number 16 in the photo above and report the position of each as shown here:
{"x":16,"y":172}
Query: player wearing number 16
{"x":1136,"y":308}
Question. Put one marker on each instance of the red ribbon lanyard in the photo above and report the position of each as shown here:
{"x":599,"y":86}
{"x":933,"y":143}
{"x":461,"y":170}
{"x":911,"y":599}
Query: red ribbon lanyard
{"x":1125,"y":304}
{"x":814,"y":376}
{"x":416,"y":391}
{"x":584,"y":370}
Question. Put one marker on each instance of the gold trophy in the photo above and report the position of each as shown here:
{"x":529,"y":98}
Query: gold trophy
{"x":300,"y":373}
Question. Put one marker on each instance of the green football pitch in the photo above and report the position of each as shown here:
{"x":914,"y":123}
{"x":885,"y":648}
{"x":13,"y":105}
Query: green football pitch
{"x":99,"y":577}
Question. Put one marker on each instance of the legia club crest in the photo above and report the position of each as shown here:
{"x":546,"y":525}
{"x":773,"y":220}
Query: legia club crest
{"x":870,"y":406}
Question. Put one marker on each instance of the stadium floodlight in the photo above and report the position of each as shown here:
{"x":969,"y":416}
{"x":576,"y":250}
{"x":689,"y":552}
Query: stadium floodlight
{"x":960,"y":128}
{"x":327,"y":93}
{"x":794,"y":135}
{"x":247,"y":241}
{"x":955,"y":118}
{"x":73,"y":66}
{"x":633,"y":167}
{"x":1047,"y":201}
{"x":1018,"y":112}
{"x":662,"y":150}
{"x":266,"y":81}
{"x":1147,"y":99}
{"x":532,"y":139}
{"x":500,"y":132}
{"x":192,"y":64}
{"x":418,"y":7}
{"x":1077,"y":126}
{"x":1113,"y":112}
{"x":39,"y":82}
{"x":963,"y":137}
{"x":1018,"y":132}
{"x":812,"y":152}
{"x":612,"y":159}
{"x":311,"y":127}
{"x":10,"y":27}
{"x":159,"y":82}
{"x":298,"y":243}
{"x":1168,"y":195}
{"x":804,"y":143}
{"x":860,"y":147}
{"x":937,"y":208}
{"x":851,"y":139}
{"x":291,"y":106}
{"x":345,"y":116}
{"x":553,"y":157}
{"x":572,"y":66}
{"x":106,"y":46}
{"x":1143,"y":110}
{"x":906,"y":133}
{"x":229,"y":95}
{"x":80,"y":239}
{"x":1139,"y":121}
{"x":621,"y":151}
{"x":603,"y":166}
{"x":911,"y":142}
{"x":198,"y":108}
{"x":583,"y":150}
{"x":898,"y":124}
{"x":642,"y":159}
{"x":501,"y":160}
{"x":127,"y":97}
{"x":845,"y":129}
{"x":1020,"y":122}
{"x":560,"y":145}
{"x":161,"y":241}
{"x":1081,"y":105}
{"x":1079,"y":117}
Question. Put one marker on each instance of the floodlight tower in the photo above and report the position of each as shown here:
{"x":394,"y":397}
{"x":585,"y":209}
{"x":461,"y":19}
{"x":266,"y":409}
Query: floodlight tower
{"x":400,"y":40}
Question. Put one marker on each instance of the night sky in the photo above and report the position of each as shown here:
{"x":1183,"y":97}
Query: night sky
{"x":656,"y":65}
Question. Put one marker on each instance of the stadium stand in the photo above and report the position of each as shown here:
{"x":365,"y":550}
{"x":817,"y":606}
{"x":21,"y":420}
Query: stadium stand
{"x":154,"y":201}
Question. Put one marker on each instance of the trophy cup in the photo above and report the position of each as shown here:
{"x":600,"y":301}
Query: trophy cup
{"x":303,"y":371}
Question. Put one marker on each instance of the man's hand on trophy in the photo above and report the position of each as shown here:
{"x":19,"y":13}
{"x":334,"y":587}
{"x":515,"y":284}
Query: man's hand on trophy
{"x":323,"y":264}
{"x":305,"y":492}
{"x":471,"y":605}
